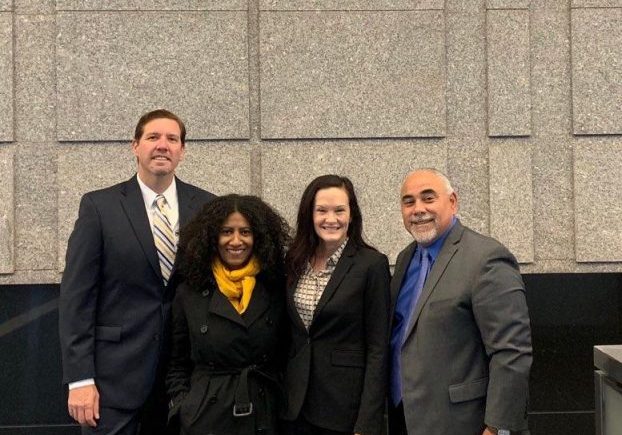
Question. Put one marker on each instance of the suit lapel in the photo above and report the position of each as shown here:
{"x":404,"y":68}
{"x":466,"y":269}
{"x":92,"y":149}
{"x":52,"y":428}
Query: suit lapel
{"x":343,"y":266}
{"x":134,"y":207}
{"x":221,"y":306}
{"x":187,"y":204}
{"x":400,"y":270}
{"x":442,"y":261}
{"x":259,"y":303}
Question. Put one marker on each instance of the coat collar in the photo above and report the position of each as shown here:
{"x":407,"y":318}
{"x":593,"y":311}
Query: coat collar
{"x":259,"y":303}
{"x":134,"y":208}
{"x":341,"y":269}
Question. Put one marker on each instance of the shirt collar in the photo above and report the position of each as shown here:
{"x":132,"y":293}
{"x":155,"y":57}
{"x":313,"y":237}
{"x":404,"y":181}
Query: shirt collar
{"x":333,"y":259}
{"x":435,"y":247}
{"x":149,"y":196}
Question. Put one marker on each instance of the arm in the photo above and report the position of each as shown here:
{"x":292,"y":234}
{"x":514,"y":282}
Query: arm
{"x":78,"y":310}
{"x":501,"y":314}
{"x":376,"y":318}
{"x":180,"y":364}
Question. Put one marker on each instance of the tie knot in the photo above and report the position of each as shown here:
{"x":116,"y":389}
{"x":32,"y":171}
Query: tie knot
{"x":160,"y":201}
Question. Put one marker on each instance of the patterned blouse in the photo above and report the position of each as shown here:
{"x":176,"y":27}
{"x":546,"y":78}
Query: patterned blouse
{"x":311,"y":285}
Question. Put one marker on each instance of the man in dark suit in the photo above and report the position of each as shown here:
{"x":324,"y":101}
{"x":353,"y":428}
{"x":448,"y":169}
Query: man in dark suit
{"x":460,"y":341}
{"x":118,"y":285}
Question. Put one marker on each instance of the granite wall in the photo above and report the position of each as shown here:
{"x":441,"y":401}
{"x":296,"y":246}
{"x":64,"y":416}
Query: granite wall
{"x":519,"y":101}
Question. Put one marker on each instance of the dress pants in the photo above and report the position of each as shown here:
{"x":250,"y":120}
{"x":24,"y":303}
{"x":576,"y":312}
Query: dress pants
{"x":397,"y":422}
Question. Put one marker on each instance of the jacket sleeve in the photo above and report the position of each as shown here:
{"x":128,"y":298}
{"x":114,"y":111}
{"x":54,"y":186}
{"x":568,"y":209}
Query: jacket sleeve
{"x":180,"y":364}
{"x":78,"y":294}
{"x":377,"y":300}
{"x":500,"y":310}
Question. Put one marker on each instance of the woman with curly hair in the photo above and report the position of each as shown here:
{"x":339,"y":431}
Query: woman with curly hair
{"x":338,"y":302}
{"x":227,"y":319}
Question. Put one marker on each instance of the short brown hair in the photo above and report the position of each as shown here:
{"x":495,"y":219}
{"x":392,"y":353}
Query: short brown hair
{"x":159,"y":114}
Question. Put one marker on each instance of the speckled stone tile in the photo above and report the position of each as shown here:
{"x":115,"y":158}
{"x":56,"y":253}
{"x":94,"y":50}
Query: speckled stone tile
{"x":35,"y":212}
{"x":345,"y":5}
{"x":376,"y":169}
{"x":508,"y":53}
{"x":597,"y":3}
{"x":551,"y":5}
{"x":352,"y":74}
{"x":6,"y":5}
{"x":466,"y":75}
{"x":507,"y":4}
{"x":550,"y":74}
{"x":553,"y":199}
{"x":597,"y":71}
{"x":153,"y":5}
{"x":35,"y":94}
{"x":34,"y":6}
{"x":7,"y":216}
{"x":6,"y":77}
{"x":82,"y":168}
{"x":468,"y":170}
{"x":597,"y":186}
{"x":468,"y":6}
{"x":86,"y":167}
{"x":108,"y":76}
{"x":511,"y":197}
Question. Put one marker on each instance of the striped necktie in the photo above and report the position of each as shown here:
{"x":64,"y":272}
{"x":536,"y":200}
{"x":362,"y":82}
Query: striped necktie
{"x":164,"y":237}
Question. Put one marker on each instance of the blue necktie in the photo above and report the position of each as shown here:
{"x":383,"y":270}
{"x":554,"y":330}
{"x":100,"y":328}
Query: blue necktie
{"x":404,"y":308}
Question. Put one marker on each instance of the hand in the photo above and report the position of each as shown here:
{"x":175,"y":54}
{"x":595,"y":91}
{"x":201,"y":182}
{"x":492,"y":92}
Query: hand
{"x":83,"y":404}
{"x":488,"y":432}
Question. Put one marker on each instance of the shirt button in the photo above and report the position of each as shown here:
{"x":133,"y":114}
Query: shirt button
{"x":205,"y":293}
{"x":203,"y":329}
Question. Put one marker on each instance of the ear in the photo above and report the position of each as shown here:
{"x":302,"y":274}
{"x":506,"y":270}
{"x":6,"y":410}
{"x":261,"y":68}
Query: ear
{"x":134,"y":146}
{"x":453,"y":199}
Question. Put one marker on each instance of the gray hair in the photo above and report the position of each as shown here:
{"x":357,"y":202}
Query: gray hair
{"x":448,"y":188}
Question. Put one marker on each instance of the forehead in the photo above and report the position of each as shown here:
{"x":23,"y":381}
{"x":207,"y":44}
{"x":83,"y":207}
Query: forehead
{"x":422,"y":181}
{"x":331,"y":195}
{"x":162,"y":125}
{"x":236,"y":219}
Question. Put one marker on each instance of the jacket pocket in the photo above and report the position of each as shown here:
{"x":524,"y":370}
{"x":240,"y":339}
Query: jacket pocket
{"x":108,"y":333}
{"x":347,"y":358}
{"x":468,"y":391}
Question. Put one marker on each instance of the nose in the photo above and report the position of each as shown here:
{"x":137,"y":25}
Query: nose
{"x":419,"y":208}
{"x":235,"y":239}
{"x":162,"y":144}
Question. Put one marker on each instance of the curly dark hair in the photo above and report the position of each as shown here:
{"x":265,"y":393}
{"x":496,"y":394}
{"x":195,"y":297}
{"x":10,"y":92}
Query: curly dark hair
{"x":198,"y":243}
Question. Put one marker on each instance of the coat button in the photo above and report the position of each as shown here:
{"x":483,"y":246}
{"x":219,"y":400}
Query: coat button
{"x":213,"y":400}
{"x":269,"y":321}
{"x":203,"y":329}
{"x":260,"y":431}
{"x":264,"y":357}
{"x":205,"y":293}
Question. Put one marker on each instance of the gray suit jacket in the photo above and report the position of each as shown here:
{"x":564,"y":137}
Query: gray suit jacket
{"x":467,"y":354}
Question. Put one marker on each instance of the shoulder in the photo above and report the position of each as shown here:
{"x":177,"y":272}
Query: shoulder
{"x":480,"y":250}
{"x":195,"y":190}
{"x":370,"y":256}
{"x":108,"y":192}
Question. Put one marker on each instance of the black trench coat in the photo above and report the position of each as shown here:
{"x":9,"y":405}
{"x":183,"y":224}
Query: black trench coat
{"x":220,"y":357}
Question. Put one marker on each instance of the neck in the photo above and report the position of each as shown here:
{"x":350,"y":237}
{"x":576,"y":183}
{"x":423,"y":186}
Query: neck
{"x":157,"y":184}
{"x":325,"y":250}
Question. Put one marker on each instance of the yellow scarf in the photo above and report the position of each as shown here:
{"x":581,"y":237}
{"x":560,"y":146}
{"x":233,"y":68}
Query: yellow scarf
{"x":237,"y":285}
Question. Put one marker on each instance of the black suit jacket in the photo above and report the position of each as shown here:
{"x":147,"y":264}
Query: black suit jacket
{"x":336,"y":372}
{"x":114,"y":310}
